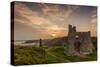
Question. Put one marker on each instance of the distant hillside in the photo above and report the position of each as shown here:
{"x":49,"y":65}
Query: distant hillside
{"x":56,"y":41}
{"x":31,"y":41}
{"x":37,"y":41}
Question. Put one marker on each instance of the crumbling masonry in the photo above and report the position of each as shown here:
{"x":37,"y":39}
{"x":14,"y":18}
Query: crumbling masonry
{"x":78,"y":43}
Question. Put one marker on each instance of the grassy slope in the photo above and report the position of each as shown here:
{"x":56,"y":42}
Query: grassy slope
{"x":42,"y":55}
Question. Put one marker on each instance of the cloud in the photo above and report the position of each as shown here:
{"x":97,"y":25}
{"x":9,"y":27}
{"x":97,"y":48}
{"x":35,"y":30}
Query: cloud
{"x":22,"y":13}
{"x":94,"y":23}
{"x":54,"y":30}
{"x":40,"y":23}
{"x":47,"y":19}
{"x":58,"y":14}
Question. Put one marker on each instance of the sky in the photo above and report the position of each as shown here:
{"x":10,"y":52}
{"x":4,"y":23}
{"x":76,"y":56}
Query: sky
{"x":45,"y":20}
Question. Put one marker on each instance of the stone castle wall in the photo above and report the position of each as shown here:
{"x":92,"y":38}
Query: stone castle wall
{"x":86,"y":46}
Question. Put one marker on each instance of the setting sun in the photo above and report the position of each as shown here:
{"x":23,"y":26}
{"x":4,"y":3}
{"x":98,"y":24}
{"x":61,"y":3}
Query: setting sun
{"x":53,"y":35}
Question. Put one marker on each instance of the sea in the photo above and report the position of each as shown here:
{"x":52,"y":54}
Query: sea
{"x":22,"y":42}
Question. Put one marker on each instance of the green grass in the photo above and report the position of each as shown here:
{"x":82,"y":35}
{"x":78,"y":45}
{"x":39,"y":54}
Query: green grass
{"x":28,"y":55}
{"x":24,"y":55}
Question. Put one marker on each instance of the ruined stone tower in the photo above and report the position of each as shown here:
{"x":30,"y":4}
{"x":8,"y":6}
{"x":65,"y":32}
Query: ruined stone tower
{"x":78,"y":43}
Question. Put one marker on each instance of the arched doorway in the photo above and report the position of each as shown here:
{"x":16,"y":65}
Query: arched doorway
{"x":77,"y":43}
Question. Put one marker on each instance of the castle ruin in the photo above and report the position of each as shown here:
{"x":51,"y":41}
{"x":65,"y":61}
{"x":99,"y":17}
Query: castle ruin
{"x":78,"y":43}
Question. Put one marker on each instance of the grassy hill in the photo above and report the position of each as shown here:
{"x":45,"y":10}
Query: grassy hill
{"x":56,"y":41}
{"x":25,"y":55}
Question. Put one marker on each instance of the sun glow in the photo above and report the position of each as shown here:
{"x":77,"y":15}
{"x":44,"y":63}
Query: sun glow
{"x":53,"y":35}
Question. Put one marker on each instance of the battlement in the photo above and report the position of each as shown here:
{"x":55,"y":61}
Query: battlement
{"x":73,"y":30}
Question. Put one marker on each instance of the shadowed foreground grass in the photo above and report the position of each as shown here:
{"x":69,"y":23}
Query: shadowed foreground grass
{"x":25,"y":55}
